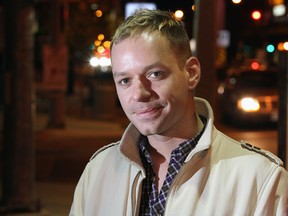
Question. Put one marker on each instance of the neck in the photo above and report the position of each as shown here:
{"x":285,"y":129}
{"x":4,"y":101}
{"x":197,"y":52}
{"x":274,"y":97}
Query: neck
{"x":161,"y":148}
{"x":164,"y":145}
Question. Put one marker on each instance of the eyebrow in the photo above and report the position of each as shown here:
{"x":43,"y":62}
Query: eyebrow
{"x":149,"y":67}
{"x":118,"y":74}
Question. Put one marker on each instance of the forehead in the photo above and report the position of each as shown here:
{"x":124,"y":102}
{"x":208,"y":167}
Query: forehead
{"x":147,"y":38}
{"x":140,"y":45}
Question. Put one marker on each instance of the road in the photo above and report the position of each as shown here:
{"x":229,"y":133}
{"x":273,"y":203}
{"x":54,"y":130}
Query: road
{"x":264,"y":138}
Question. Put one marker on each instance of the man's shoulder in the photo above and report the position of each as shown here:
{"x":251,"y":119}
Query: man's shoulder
{"x":267,"y":154}
{"x":105,"y":150}
{"x":242,"y":148}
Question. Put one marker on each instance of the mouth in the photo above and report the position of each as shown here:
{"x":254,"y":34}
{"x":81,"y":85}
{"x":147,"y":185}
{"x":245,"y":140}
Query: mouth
{"x":148,"y":113}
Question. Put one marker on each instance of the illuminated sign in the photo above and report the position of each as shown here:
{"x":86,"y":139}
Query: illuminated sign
{"x":130,"y":7}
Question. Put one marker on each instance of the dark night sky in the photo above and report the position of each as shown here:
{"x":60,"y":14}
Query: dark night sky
{"x":237,"y":21}
{"x":185,"y":6}
{"x":173,"y":5}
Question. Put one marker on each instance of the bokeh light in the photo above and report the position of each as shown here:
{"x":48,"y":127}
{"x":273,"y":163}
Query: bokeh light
{"x":98,"y":13}
{"x":179,"y":14}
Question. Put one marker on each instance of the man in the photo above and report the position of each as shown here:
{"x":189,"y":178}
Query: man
{"x":171,"y":160}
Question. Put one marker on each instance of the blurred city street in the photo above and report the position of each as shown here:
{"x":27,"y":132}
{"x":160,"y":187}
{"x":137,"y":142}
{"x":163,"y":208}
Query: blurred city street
{"x":61,"y":154}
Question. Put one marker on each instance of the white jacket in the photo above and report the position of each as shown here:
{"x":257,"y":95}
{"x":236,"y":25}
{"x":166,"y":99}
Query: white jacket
{"x":220,"y":177}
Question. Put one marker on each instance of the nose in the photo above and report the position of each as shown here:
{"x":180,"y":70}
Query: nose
{"x":141,"y":91}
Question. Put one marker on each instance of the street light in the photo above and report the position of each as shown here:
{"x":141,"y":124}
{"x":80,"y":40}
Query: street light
{"x":179,"y":14}
{"x":236,"y":1}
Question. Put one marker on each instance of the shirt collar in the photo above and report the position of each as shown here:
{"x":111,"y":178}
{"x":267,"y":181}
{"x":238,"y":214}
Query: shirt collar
{"x":181,"y":151}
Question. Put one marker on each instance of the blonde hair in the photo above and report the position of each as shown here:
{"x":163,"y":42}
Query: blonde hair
{"x":150,"y":21}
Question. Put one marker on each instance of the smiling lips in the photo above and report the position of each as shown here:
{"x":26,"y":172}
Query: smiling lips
{"x":147,"y":113}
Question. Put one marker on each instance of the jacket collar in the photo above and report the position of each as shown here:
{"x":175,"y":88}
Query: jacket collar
{"x":203,"y":108}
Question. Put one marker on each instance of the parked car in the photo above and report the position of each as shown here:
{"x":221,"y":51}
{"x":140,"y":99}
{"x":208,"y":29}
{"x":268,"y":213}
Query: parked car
{"x":249,"y":96}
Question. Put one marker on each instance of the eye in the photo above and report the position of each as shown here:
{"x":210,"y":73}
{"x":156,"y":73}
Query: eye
{"x":124,"y":81}
{"x":155,"y":74}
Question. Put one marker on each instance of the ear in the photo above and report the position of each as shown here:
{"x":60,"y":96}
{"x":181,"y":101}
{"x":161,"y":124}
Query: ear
{"x":194,"y":71}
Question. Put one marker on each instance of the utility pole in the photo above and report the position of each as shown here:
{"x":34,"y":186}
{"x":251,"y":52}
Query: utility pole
{"x":208,"y":20}
{"x":18,"y":141}
{"x":283,"y":108}
{"x":55,"y":66}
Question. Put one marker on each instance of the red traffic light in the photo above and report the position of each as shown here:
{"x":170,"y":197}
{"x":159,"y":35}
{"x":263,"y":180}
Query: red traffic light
{"x":256,"y":15}
{"x":255,"y":65}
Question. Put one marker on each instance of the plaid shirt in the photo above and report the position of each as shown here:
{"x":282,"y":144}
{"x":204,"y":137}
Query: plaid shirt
{"x":153,"y":203}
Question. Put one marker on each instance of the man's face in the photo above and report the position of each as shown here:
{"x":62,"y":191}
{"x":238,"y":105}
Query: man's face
{"x":153,"y":90}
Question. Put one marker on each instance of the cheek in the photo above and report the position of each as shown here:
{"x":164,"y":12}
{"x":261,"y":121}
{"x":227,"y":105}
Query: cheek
{"x":176,"y":88}
{"x":179,"y":95}
{"x":123,"y":97}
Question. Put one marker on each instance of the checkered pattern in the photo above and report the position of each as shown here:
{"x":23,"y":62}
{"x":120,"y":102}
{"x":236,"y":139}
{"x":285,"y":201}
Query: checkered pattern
{"x":153,"y":203}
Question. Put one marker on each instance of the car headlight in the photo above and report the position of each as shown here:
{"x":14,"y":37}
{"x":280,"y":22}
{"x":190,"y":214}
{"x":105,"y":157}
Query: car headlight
{"x":102,"y":61}
{"x":248,"y":104}
{"x":94,"y":61}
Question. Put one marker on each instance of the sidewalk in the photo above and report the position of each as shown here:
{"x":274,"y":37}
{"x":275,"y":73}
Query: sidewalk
{"x":55,"y":198}
{"x":65,"y":152}
{"x":61,"y":155}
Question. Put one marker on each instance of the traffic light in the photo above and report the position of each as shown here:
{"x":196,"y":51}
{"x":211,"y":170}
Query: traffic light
{"x":270,"y":48}
{"x":255,"y":65}
{"x":256,"y":15}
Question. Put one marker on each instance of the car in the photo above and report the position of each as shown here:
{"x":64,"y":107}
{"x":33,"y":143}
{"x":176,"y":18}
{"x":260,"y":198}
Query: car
{"x":249,"y":97}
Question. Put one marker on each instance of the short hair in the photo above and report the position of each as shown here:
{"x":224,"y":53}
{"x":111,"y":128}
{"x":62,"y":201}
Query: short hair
{"x":164,"y":22}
